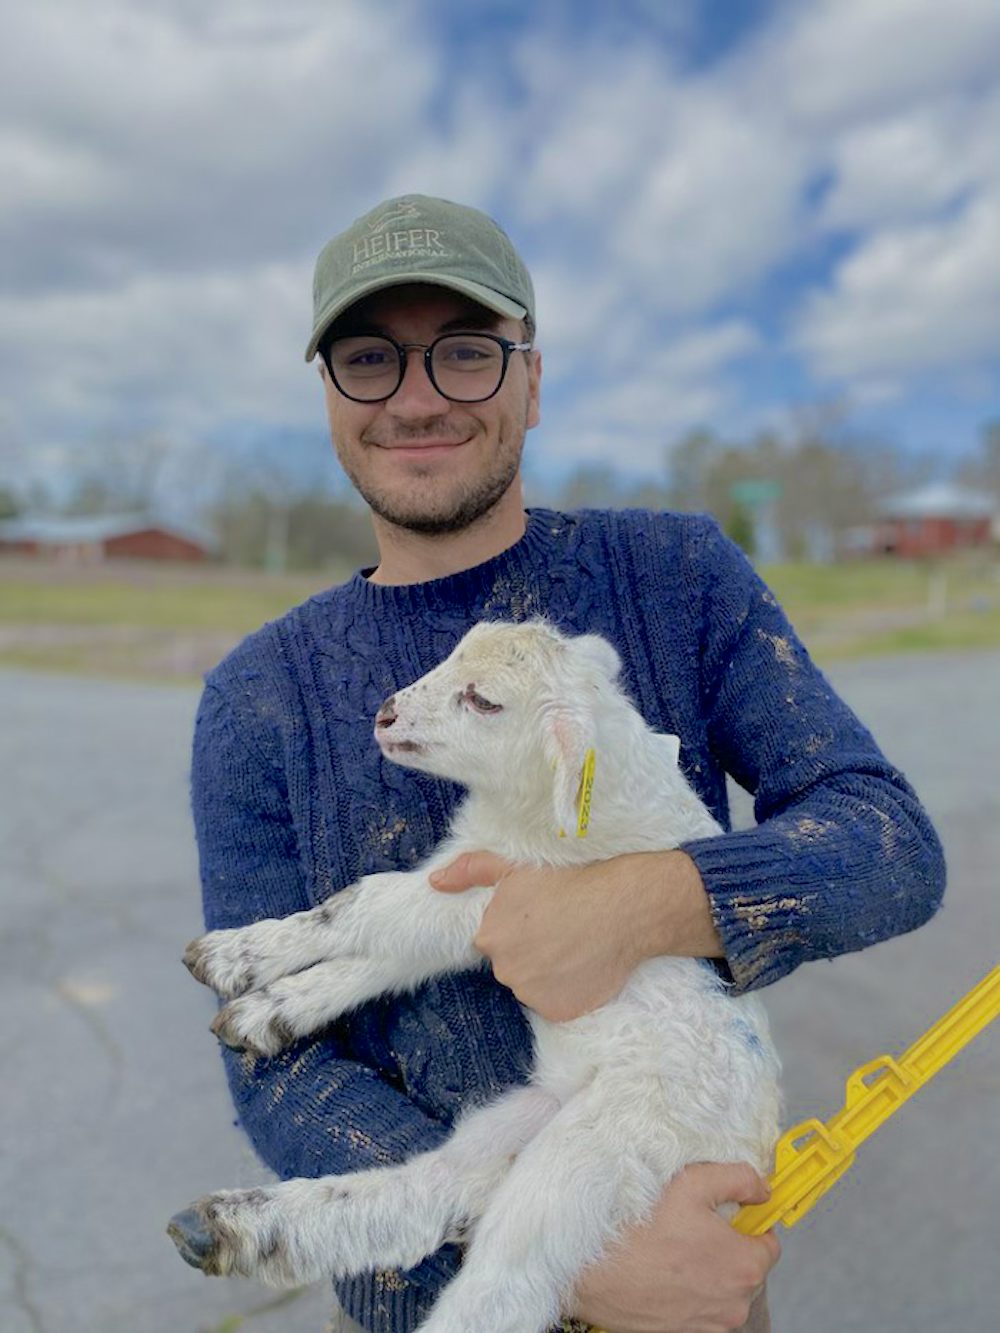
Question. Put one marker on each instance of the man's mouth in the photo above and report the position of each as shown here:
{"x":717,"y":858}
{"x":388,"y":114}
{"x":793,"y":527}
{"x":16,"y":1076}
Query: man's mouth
{"x":381,"y":437}
{"x":422,"y":448}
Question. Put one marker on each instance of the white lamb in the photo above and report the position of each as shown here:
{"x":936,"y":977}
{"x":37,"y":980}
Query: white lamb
{"x":539,"y":1182}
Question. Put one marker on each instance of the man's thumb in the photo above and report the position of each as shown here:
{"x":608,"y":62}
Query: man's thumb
{"x":735,"y":1182}
{"x":468,"y":870}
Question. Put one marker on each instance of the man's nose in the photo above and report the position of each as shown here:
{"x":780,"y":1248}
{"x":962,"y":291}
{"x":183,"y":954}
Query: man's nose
{"x":386,"y":715}
{"x":416,"y":395}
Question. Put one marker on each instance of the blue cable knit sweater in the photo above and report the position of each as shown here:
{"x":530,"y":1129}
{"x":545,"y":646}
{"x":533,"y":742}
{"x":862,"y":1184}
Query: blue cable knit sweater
{"x":292,"y":802}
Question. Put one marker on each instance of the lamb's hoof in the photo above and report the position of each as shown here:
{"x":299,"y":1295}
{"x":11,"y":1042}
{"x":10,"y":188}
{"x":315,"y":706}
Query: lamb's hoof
{"x":194,"y":961}
{"x":224,"y":1027}
{"x":195,"y":1243}
{"x":221,"y":963}
{"x":252,"y":1024}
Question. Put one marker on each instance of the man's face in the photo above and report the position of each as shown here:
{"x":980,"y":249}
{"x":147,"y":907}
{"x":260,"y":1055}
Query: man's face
{"x":420,"y":461}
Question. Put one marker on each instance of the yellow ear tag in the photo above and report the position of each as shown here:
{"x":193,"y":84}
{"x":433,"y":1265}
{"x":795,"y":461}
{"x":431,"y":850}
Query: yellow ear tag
{"x":585,"y":794}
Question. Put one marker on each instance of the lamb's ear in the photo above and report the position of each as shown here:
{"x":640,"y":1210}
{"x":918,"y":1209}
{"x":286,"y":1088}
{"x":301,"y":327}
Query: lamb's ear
{"x":670,"y":747}
{"x":568,"y":735}
{"x":597,"y":652}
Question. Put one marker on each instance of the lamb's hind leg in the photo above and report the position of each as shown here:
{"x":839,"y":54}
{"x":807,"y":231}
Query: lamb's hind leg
{"x":392,"y":1217}
{"x":576,"y":1186}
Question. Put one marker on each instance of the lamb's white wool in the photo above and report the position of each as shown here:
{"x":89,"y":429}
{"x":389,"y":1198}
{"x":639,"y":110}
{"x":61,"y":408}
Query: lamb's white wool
{"x":674,"y":1070}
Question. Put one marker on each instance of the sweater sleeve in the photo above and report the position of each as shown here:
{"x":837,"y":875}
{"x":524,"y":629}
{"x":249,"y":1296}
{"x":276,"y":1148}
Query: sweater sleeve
{"x":843,"y":854}
{"x":309,"y":1111}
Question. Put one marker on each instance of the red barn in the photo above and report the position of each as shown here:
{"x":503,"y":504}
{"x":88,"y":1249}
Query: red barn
{"x":92,"y":539}
{"x":935,"y":520}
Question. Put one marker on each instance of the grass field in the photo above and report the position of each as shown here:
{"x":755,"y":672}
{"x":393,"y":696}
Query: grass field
{"x":167,"y":622}
{"x":886,"y":606}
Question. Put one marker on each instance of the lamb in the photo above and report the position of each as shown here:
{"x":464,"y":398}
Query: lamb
{"x":538,"y":1183}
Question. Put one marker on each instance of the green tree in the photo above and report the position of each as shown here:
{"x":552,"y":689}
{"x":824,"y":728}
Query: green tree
{"x":9,"y":505}
{"x":739,"y":528}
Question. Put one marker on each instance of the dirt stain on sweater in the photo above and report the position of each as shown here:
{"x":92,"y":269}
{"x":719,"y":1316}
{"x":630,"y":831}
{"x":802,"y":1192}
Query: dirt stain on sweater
{"x":781,"y":646}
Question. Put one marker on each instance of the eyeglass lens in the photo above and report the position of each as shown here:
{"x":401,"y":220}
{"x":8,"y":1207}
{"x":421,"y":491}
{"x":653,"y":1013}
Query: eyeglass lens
{"x":465,"y":367}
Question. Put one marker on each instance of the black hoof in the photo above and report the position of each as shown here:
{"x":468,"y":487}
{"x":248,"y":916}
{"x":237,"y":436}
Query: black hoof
{"x":194,"y":1241}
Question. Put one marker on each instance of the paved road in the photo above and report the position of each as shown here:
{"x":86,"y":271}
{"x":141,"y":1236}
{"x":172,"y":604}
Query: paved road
{"x":114,"y":1112}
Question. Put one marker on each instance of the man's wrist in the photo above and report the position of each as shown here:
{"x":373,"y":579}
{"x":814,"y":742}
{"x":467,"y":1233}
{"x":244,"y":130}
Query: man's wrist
{"x":670,"y":912}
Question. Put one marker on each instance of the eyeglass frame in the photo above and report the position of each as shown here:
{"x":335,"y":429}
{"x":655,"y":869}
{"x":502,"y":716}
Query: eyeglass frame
{"x":505,"y":345}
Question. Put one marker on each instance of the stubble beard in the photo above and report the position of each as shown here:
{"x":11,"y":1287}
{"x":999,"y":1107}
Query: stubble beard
{"x":424,"y":512}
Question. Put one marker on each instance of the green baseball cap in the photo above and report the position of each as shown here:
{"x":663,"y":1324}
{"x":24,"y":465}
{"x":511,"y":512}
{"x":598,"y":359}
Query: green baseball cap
{"x":416,"y":238}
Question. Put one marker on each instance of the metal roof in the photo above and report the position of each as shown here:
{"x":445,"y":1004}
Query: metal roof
{"x":91,"y":528}
{"x":939,"y":500}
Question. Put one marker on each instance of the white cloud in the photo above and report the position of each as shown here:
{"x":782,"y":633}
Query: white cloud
{"x":914,"y":164}
{"x":187,"y":352}
{"x":715,"y":209}
{"x":212,"y":140}
{"x":680,"y":187}
{"x":911,"y":299}
{"x":171,"y":168}
{"x":835,"y":62}
{"x":169,"y":173}
{"x":39,"y":174}
{"x":595,"y":123}
{"x":673,"y":385}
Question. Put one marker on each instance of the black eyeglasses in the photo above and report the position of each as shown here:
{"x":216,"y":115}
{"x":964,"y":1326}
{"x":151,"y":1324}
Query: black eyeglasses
{"x":463,"y":367}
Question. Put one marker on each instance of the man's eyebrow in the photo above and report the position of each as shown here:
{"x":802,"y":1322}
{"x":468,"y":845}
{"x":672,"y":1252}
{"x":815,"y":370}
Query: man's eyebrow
{"x":358,"y":328}
{"x":476,"y":317}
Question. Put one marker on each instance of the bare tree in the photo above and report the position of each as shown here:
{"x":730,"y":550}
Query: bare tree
{"x":117,"y":475}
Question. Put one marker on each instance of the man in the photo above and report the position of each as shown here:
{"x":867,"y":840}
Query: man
{"x":424,"y":324}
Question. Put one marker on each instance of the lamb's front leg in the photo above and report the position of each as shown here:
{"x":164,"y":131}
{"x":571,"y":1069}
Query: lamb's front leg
{"x":387,"y":943}
{"x":266,"y":1021}
{"x":393,"y":915}
{"x":391,"y":1217}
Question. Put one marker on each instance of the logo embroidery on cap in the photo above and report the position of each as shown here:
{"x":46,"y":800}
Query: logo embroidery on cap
{"x":408,"y":242}
{"x":400,"y":213}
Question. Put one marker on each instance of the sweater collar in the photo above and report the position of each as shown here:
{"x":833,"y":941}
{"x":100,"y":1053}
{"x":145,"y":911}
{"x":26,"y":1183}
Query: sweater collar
{"x":461,"y":591}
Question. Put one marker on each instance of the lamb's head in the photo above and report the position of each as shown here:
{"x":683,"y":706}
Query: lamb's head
{"x":514,"y":705}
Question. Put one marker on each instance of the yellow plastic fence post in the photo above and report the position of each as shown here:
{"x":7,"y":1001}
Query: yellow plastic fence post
{"x":812,"y":1156}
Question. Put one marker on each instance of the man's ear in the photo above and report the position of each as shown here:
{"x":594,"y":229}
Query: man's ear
{"x":568,"y":735}
{"x":534,"y":388}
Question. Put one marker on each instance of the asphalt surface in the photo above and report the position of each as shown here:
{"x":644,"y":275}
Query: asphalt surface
{"x":114,"y":1112}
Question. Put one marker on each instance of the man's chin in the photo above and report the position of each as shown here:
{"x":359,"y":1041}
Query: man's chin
{"x":438,"y":518}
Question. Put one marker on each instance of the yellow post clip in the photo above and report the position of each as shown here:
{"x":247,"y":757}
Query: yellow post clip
{"x":811,"y":1156}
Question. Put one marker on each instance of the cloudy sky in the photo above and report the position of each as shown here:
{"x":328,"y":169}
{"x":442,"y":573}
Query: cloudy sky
{"x":730,"y":209}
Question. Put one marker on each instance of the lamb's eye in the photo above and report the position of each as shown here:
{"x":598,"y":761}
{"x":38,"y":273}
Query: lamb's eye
{"x":480,"y":704}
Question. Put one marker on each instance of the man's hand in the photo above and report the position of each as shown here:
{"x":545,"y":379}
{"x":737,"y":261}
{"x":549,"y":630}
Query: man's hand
{"x":685,"y":1270}
{"x":566,"y":940}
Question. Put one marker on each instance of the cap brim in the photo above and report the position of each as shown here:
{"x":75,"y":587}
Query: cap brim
{"x":485,"y":296}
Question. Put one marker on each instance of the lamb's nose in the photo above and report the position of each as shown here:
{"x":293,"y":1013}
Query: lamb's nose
{"x":386,"y":715}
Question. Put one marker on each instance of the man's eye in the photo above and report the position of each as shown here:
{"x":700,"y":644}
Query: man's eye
{"x":466,"y":352}
{"x":372,"y":358}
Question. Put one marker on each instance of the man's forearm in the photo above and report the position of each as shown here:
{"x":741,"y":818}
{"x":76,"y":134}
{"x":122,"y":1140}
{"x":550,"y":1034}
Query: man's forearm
{"x":665,"y":905}
{"x":566,"y":939}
